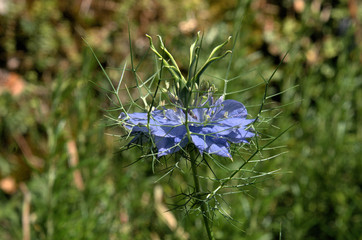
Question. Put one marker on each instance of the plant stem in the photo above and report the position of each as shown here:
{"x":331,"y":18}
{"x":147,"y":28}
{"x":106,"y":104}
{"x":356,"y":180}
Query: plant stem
{"x":204,"y":207}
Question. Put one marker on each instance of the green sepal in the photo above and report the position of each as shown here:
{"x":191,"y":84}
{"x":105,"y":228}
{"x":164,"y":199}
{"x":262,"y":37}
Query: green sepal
{"x":193,"y":56}
{"x":173,"y":69}
{"x":211,"y":59}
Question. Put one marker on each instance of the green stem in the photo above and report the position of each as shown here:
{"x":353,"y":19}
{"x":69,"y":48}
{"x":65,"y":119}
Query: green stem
{"x":204,"y":207}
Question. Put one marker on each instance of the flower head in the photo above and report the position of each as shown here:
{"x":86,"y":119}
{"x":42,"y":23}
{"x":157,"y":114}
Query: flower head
{"x":197,"y":118}
{"x":210,"y":125}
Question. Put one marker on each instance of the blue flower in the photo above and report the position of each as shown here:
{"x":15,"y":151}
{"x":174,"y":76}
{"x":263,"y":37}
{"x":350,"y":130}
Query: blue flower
{"x":212,"y":126}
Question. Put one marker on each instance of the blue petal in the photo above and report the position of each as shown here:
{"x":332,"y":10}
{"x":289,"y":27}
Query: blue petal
{"x":225,"y":126}
{"x":136,"y":129}
{"x":174,"y":116}
{"x":167,"y":146}
{"x":211,"y":145}
{"x":169,"y":131}
{"x":139,"y":139}
{"x":231,"y":108}
{"x":239,"y":136}
{"x":138,"y":118}
{"x":199,"y":114}
{"x":219,"y":101}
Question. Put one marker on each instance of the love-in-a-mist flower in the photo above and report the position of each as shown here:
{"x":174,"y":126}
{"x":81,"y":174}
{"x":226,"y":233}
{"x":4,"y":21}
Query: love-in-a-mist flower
{"x":210,"y":125}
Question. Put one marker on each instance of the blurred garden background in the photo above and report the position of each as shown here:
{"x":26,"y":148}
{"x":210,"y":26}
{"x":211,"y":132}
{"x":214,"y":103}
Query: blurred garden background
{"x":62,"y":175}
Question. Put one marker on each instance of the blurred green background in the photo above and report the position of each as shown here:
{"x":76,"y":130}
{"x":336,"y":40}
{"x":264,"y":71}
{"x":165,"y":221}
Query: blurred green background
{"x":62,"y":176}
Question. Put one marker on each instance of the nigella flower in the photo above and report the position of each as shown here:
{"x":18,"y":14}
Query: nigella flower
{"x":211,"y":126}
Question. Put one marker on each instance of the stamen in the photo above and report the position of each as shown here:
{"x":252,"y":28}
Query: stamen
{"x":226,"y":114}
{"x":192,"y":115}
